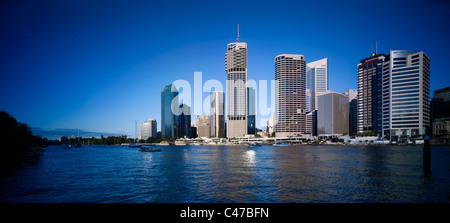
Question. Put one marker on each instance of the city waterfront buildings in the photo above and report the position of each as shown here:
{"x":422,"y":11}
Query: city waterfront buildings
{"x":236,"y":69}
{"x":217,"y":114}
{"x":169,"y":109}
{"x":316,"y":82}
{"x":393,"y":94}
{"x":290,"y":106}
{"x":148,"y":129}
{"x":332,"y":117}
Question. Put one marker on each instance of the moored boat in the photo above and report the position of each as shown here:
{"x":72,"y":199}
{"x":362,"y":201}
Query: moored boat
{"x":282,"y":144}
{"x":149,"y":149}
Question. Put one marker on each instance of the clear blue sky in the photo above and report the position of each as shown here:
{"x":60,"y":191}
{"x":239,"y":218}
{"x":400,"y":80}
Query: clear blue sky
{"x":100,"y":65}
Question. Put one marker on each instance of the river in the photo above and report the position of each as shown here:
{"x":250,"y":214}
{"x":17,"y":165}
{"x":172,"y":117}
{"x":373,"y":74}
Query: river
{"x":218,"y":174}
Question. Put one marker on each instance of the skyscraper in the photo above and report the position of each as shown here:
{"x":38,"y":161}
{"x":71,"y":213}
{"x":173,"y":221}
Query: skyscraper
{"x":406,"y":94}
{"x":251,"y":115}
{"x":290,"y":106}
{"x":353,"y":117}
{"x":204,"y":127}
{"x":169,"y":109}
{"x":370,"y":93}
{"x":148,"y":129}
{"x":332,"y":117}
{"x":217,"y":116}
{"x":184,"y":119}
{"x":316,"y":82}
{"x":236,"y":69}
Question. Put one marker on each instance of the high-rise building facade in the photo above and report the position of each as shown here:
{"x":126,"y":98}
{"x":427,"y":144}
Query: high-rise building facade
{"x":251,"y":115}
{"x":217,"y":114}
{"x":353,"y":117}
{"x":204,"y":127}
{"x":290,"y":106}
{"x":184,"y":121}
{"x":370,"y":93}
{"x":332,"y":114}
{"x":443,"y":93}
{"x":169,"y":109}
{"x":148,"y":129}
{"x":316,"y":82}
{"x":311,"y":123}
{"x":406,"y":94}
{"x":236,"y":69}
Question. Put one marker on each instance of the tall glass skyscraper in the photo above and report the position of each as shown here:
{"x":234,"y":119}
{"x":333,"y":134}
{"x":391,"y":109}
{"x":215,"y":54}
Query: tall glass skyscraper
{"x":290,"y":106}
{"x":316,"y":82}
{"x":169,"y":109}
{"x":236,"y":69}
{"x":406,"y":94}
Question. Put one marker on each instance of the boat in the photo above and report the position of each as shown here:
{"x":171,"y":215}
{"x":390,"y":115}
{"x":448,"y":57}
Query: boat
{"x":180,"y":143}
{"x":149,"y":149}
{"x":164,"y":143}
{"x":254,"y":144}
{"x":282,"y":144}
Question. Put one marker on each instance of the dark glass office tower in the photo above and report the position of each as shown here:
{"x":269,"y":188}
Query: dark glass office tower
{"x":370,"y":93}
{"x":352,"y":117}
{"x":184,"y":121}
{"x":169,"y":109}
{"x":251,"y":115}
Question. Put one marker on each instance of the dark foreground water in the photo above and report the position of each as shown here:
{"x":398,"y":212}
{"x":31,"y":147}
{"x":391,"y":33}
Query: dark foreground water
{"x":336,"y":174}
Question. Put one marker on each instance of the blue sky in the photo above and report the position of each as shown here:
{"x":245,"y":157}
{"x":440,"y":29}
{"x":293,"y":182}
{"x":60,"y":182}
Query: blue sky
{"x":100,"y":65}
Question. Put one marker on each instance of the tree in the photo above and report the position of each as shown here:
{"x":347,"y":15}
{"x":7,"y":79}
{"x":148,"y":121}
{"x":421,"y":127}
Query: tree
{"x":17,"y":136}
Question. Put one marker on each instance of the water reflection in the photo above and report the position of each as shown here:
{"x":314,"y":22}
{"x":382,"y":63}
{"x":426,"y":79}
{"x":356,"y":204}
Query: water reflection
{"x":249,"y":158}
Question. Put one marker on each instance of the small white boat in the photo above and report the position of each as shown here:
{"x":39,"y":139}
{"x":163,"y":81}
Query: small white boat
{"x":149,"y":149}
{"x":180,"y":143}
{"x":164,"y":143}
{"x":282,"y":144}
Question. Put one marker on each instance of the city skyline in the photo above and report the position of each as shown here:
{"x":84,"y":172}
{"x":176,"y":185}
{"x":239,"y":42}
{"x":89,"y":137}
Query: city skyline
{"x":84,"y":67}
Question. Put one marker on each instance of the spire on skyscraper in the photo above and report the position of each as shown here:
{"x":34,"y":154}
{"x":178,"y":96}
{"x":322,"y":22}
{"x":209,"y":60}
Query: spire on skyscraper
{"x":238,"y":34}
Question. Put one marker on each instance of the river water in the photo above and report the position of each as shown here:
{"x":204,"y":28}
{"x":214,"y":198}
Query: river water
{"x":300,"y":174}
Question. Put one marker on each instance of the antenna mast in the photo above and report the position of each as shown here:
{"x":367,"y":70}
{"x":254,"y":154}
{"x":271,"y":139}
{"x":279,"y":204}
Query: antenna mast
{"x":238,"y":34}
{"x":376,"y":47}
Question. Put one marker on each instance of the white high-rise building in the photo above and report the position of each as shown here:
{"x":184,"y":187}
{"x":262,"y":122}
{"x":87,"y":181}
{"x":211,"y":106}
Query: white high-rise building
{"x":406,"y":94}
{"x":236,"y":69}
{"x":316,"y":82}
{"x":290,"y":106}
{"x":148,"y":129}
